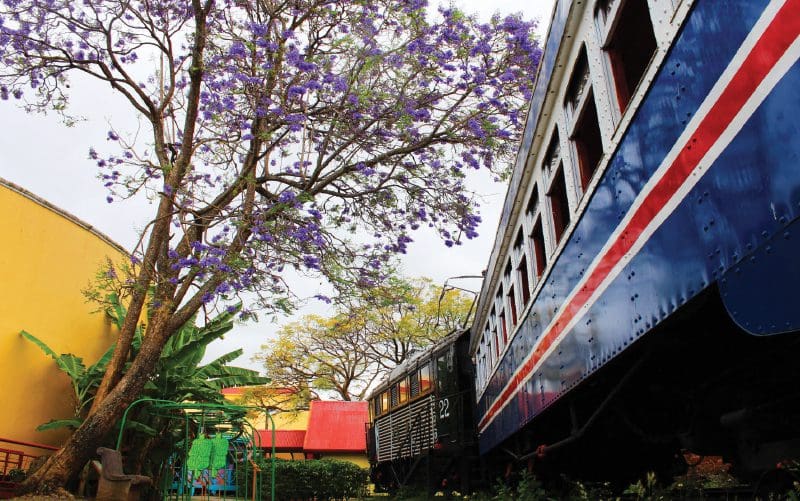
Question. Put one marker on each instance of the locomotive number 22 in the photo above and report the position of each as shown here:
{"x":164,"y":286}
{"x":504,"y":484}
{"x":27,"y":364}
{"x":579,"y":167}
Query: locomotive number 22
{"x":444,"y":408}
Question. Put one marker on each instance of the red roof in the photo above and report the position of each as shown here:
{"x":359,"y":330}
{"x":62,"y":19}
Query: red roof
{"x":337,"y":427}
{"x":285,"y":440}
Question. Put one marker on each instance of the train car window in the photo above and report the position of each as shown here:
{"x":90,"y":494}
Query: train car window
{"x":502,"y":319}
{"x":585,"y":126}
{"x":403,"y":390}
{"x":588,"y":143}
{"x":512,"y":303}
{"x":533,"y":202}
{"x":425,"y":379}
{"x":630,"y":43}
{"x":524,"y":285}
{"x":521,"y":275}
{"x":487,"y":335}
{"x":579,"y":84}
{"x":537,"y":246}
{"x":493,"y":330}
{"x":511,"y":300}
{"x":559,"y":204}
{"x":414,"y":384}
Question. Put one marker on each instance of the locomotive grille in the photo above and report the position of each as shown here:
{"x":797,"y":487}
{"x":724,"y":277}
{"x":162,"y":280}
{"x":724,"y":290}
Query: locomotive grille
{"x":406,"y":432}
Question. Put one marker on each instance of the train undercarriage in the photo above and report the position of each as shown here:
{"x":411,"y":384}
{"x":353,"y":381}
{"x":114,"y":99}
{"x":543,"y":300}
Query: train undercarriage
{"x":698,"y":383}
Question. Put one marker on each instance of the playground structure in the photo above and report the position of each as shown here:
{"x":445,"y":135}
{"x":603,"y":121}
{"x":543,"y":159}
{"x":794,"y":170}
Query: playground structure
{"x":231,"y":470}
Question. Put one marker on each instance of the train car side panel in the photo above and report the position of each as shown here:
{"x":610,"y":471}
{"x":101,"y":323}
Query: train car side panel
{"x":644,"y":248}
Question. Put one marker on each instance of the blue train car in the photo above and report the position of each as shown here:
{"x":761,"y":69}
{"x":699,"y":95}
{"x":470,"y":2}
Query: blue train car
{"x":643,"y":293}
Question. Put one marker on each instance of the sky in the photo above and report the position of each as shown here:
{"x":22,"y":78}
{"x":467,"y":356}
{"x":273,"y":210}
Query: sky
{"x":43,"y":156}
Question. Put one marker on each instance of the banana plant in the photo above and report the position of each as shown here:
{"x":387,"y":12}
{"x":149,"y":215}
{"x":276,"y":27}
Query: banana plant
{"x":179,"y":376}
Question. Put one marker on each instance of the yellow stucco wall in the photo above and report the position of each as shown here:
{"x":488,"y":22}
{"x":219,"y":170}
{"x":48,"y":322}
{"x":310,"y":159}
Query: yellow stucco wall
{"x":46,"y":258}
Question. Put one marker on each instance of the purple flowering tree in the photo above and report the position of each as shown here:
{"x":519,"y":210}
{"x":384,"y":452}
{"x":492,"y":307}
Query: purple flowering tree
{"x":308,"y":134}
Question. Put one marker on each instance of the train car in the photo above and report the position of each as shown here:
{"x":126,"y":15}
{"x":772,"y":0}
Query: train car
{"x":643,"y":293}
{"x":422,"y":424}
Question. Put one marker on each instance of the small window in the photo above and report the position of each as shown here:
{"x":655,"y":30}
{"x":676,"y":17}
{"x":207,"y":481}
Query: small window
{"x":579,"y":83}
{"x":522,"y":273}
{"x":537,"y":245}
{"x":385,"y":401}
{"x":445,"y":373}
{"x":533,"y":202}
{"x":414,"y":383}
{"x":512,"y":303}
{"x":583,"y":121}
{"x":425,"y":382}
{"x":559,"y":204}
{"x":403,"y":390}
{"x":521,"y":277}
{"x":395,"y":395}
{"x":630,"y":44}
{"x":511,"y":300}
{"x":588,"y":143}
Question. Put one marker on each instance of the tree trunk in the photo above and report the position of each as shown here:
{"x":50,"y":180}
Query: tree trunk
{"x":82,"y":445}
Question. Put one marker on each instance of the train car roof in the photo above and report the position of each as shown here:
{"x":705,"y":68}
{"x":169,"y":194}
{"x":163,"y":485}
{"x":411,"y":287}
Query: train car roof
{"x":555,"y":33}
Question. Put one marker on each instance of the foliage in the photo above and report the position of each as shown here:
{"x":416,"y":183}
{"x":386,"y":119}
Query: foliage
{"x":314,"y":479}
{"x":309,"y":135}
{"x":179,"y":375}
{"x":84,"y":379}
{"x":344,"y":354}
{"x":527,"y":488}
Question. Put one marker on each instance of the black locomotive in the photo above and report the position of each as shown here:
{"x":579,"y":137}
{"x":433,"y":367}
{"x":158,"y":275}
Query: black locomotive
{"x":422,"y":423}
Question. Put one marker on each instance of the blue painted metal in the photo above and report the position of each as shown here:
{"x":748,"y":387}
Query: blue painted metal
{"x":735,"y":227}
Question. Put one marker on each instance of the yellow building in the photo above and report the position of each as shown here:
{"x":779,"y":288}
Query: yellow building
{"x":47,"y":258}
{"x":328,"y":429}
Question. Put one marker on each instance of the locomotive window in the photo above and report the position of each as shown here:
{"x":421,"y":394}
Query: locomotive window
{"x":403,"y":390}
{"x":630,"y":44}
{"x":445,"y":373}
{"x":414,"y":384}
{"x":559,"y":204}
{"x":384,"y":401}
{"x":425,"y":382}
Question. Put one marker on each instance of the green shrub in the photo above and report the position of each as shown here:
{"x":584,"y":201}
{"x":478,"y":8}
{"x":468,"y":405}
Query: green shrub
{"x":315,"y":479}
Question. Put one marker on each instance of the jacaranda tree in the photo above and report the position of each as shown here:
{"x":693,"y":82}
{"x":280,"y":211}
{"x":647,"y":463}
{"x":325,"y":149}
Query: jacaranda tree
{"x":314,"y":135}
